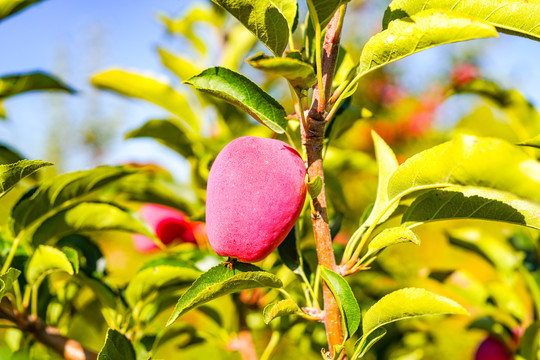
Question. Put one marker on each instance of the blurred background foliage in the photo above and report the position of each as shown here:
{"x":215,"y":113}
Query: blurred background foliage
{"x":423,"y":101}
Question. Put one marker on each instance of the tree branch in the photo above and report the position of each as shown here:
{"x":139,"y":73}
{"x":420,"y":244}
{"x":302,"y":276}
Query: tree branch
{"x":47,"y":335}
{"x":313,"y":138}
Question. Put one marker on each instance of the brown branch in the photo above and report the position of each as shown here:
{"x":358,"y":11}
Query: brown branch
{"x":47,"y":335}
{"x":313,"y":138}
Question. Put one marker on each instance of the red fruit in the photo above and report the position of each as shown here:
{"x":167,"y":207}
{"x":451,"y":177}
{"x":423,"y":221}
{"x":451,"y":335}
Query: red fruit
{"x":493,"y":349}
{"x":256,"y":190}
{"x":169,"y":224}
{"x":463,"y":74}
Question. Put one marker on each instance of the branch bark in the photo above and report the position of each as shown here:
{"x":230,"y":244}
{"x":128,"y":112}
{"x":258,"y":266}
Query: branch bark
{"x":47,"y":335}
{"x":313,"y":138}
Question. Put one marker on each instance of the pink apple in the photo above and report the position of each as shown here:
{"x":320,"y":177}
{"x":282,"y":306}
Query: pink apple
{"x":169,"y":224}
{"x":256,"y":190}
{"x":492,"y":348}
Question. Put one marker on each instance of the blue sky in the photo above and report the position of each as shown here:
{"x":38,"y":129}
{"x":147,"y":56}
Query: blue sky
{"x":77,"y":38}
{"x":63,"y":37}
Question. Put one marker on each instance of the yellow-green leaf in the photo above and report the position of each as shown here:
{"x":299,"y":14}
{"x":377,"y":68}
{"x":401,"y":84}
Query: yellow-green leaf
{"x":509,"y":16}
{"x":421,"y":31}
{"x":407,"y":303}
{"x":280,"y":308}
{"x":148,"y":89}
{"x":46,"y":260}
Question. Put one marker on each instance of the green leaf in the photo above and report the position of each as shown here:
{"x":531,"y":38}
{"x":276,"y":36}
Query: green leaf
{"x":168,"y":132}
{"x":495,"y":250}
{"x":8,"y":155}
{"x":421,"y":31}
{"x":155,"y":278}
{"x":146,"y":188}
{"x":220,"y":281}
{"x":55,"y":192}
{"x":280,"y":308}
{"x":315,"y":187}
{"x":530,"y":341}
{"x":2,"y":111}
{"x":117,"y":347}
{"x":363,"y":345}
{"x":73,"y":256}
{"x":11,"y":174}
{"x":185,"y":25}
{"x":12,"y":85}
{"x":270,"y":20}
{"x":88,"y":217}
{"x":7,"y":280}
{"x":289,"y":252}
{"x":148,"y":89}
{"x":44,"y":261}
{"x":180,"y":66}
{"x":297,"y":72}
{"x":392,"y":236}
{"x":387,"y":163}
{"x":242,"y":92}
{"x":323,"y":10}
{"x":10,"y":7}
{"x":534,"y":142}
{"x":471,"y":161}
{"x":350,"y":311}
{"x":465,"y":202}
{"x":509,"y":16}
{"x":407,"y":303}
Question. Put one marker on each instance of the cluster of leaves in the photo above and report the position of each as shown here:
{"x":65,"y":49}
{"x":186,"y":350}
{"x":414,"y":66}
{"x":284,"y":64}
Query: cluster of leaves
{"x":53,"y":270}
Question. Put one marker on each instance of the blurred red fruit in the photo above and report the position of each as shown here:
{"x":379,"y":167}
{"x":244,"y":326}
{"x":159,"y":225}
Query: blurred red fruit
{"x":493,"y":349}
{"x":463,"y":74}
{"x":169,"y":224}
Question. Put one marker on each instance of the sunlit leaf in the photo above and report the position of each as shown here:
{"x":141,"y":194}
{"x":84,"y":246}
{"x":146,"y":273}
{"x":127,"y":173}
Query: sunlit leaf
{"x":242,"y":92}
{"x":146,"y":188}
{"x":323,"y":10}
{"x":348,"y":305}
{"x":509,"y":16}
{"x":10,"y":7}
{"x":148,"y":89}
{"x":270,"y":20}
{"x":297,"y":72}
{"x":73,"y":256}
{"x":46,"y":260}
{"x":407,"y":303}
{"x":182,"y":67}
{"x":117,"y":347}
{"x":422,"y":31}
{"x":7,"y":280}
{"x":60,"y":189}
{"x":153,"y":279}
{"x":12,"y":85}
{"x":221,"y":280}
{"x":170,"y":133}
{"x":464,"y":202}
{"x":392,"y":236}
{"x":280,"y":308}
{"x":533,"y":142}
{"x":471,"y":161}
{"x":88,"y":217}
{"x":387,"y":163}
{"x":363,"y":345}
{"x":11,"y":174}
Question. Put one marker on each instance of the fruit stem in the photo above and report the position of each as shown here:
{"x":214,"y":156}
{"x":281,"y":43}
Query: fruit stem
{"x":312,"y":139}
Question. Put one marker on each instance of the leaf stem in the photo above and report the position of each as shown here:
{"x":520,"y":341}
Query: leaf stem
{"x":274,"y":341}
{"x":363,"y":237}
{"x":11,"y":254}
